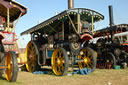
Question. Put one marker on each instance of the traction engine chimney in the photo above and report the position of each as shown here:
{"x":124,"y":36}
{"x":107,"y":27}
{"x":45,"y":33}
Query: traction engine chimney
{"x":70,"y":4}
{"x":111,"y":16}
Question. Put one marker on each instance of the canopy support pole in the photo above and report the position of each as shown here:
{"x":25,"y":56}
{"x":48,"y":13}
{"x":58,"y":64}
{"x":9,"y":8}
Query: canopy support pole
{"x":16,"y":22}
{"x":8,"y":20}
{"x":63,"y":30}
{"x":78,"y":23}
{"x":72,"y":24}
{"x":92,"y":22}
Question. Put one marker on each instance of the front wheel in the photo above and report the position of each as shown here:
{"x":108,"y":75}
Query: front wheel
{"x":87,"y":59}
{"x":109,"y":58}
{"x":59,"y":62}
{"x":12,"y":66}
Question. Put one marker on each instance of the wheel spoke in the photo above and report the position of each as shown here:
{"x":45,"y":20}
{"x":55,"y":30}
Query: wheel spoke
{"x":87,"y":65}
{"x":58,"y":54}
{"x":83,"y":64}
{"x":91,"y":58}
{"x":62,"y":60}
{"x":34,"y":58}
{"x":31,"y":67}
{"x":29,"y":63}
{"x":91,"y":65}
{"x":33,"y":52}
{"x":88,"y":54}
{"x":61,"y":68}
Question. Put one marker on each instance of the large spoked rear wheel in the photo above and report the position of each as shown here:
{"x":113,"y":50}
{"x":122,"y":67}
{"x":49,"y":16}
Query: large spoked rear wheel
{"x":87,"y":59}
{"x":59,"y":62}
{"x":12,"y":67}
{"x":31,"y":55}
{"x":2,"y":63}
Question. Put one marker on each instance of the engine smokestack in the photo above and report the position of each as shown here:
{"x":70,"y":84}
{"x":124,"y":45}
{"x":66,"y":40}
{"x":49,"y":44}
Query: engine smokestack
{"x":70,"y":4}
{"x":111,"y":16}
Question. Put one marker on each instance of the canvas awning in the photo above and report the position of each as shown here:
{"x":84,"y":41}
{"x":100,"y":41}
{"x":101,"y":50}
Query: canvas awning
{"x":63,"y":16}
{"x":15,"y":9}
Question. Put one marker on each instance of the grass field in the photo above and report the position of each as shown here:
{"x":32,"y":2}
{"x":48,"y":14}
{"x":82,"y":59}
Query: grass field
{"x":98,"y":77}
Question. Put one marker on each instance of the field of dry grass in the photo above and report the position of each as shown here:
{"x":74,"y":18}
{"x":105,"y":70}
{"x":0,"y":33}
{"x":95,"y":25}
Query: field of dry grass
{"x":98,"y":77}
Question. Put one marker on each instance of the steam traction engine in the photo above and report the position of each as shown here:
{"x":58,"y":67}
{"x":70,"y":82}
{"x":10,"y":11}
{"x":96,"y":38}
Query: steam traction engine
{"x":111,"y":45}
{"x":9,"y":12}
{"x":59,"y":40}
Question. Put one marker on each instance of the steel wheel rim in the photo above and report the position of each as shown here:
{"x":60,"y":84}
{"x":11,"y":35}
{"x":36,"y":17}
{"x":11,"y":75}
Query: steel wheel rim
{"x":86,"y":59}
{"x":58,"y":62}
{"x":30,"y":57}
{"x":109,"y":60}
{"x":8,"y":63}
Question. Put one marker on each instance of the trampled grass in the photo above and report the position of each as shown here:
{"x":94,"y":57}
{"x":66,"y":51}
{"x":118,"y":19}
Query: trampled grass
{"x":98,"y":77}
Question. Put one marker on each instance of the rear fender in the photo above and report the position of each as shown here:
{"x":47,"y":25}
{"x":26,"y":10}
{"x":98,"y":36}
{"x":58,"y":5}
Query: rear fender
{"x":86,"y":37}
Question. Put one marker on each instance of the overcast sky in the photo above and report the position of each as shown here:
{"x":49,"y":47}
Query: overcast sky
{"x":40,"y":10}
